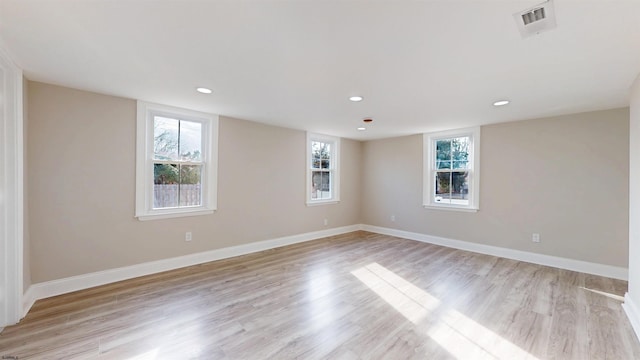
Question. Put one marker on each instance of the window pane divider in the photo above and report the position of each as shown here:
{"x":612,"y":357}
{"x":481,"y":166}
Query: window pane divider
{"x":448,"y":148}
{"x":171,"y":162}
{"x":188,"y":189}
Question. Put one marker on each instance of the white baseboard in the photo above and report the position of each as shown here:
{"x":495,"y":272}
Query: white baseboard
{"x":62,"y":286}
{"x":28,"y":299}
{"x":547,"y":260}
{"x":633,"y":313}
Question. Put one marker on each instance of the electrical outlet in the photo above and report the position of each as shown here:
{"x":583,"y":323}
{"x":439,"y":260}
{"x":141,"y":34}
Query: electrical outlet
{"x":187,"y":236}
{"x":326,"y":222}
{"x":535,"y":238}
{"x":393,"y":218}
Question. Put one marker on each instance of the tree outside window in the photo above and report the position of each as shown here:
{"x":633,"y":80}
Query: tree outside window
{"x":452,"y":177}
{"x":322,"y":169}
{"x":177,"y":167}
{"x":452,"y":169}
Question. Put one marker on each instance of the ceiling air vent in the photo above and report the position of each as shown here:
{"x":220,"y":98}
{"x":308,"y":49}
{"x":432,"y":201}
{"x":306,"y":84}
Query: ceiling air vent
{"x":537,"y":19}
{"x":533,"y":16}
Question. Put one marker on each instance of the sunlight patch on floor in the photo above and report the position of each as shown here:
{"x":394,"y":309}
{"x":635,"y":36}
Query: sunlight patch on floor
{"x":456,"y":333}
{"x":149,"y":355}
{"x":321,"y":307}
{"x":603,"y":293}
{"x":467,"y":339}
{"x":413,"y":303}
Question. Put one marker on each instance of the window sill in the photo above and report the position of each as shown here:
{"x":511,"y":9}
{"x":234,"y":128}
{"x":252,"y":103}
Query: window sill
{"x":451,"y":208}
{"x":174,"y":214}
{"x":325,"y":202}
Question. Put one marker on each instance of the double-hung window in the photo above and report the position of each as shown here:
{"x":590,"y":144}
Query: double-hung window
{"x":323,"y":178}
{"x":452,"y":169}
{"x":176,"y":162}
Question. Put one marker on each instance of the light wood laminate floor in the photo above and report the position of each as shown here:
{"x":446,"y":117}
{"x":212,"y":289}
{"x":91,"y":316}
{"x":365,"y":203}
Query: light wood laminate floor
{"x":354,"y":296}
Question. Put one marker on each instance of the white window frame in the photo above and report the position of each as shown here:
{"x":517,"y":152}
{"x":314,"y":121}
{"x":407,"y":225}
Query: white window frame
{"x":144,"y":161}
{"x":429,"y":149}
{"x":334,"y":168}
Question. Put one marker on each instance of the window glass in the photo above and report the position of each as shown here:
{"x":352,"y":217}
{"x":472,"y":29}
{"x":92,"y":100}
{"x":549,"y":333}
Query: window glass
{"x":451,"y":169}
{"x":176,"y":171}
{"x":322,"y":172}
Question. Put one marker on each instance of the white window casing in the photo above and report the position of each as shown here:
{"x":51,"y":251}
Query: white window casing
{"x":328,"y":191}
{"x":147,"y":112}
{"x":470,"y":194}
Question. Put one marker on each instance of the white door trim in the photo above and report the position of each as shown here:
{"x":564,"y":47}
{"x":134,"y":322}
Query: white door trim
{"x":11,"y":191}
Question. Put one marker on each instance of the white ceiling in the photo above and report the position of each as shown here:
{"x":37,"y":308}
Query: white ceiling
{"x":420,"y":65}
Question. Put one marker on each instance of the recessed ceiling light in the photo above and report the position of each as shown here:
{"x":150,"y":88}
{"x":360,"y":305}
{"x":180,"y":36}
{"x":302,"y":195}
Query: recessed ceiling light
{"x":204,"y":90}
{"x":362,"y":128}
{"x":501,"y":103}
{"x":356,"y":98}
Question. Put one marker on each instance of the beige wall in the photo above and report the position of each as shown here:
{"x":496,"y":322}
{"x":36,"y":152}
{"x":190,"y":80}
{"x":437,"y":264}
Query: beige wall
{"x":634,"y":198}
{"x":81,"y":181}
{"x":26,"y":243}
{"x":564,"y":177}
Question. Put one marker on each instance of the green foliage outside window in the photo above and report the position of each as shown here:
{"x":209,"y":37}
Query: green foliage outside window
{"x":453,"y":155}
{"x":166,"y":147}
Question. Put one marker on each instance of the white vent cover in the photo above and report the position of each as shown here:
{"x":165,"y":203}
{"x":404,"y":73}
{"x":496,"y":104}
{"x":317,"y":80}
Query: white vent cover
{"x":533,"y":16}
{"x":537,"y":19}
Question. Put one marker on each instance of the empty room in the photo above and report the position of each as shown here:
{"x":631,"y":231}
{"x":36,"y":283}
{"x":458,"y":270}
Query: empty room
{"x":293,"y":179}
